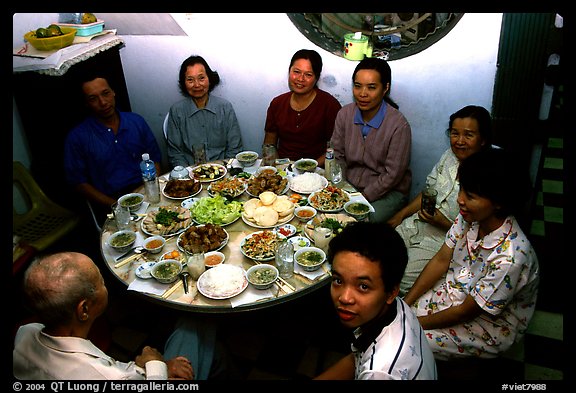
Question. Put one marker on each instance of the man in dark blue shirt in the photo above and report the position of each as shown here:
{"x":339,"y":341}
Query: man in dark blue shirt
{"x":102,"y":154}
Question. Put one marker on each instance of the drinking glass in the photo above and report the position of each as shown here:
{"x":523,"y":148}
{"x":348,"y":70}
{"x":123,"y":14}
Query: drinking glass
{"x":285,"y":258}
{"x":429,"y":200}
{"x":336,"y":172}
{"x":269,"y":155}
{"x":121,"y":215}
{"x":195,"y":263}
{"x":199,"y":154}
{"x":322,"y":237}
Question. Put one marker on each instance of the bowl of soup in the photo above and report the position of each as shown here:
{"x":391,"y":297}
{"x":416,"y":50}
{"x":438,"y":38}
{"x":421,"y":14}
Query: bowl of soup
{"x":122,"y":241}
{"x":357,"y":209}
{"x":166,"y":271}
{"x":133,"y":201}
{"x":306,"y":165}
{"x":310,"y":258}
{"x":247,"y":158}
{"x":262,"y":276}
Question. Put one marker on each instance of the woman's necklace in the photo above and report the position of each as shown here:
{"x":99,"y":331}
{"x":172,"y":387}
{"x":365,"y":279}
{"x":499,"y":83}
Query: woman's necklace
{"x":303,"y":103}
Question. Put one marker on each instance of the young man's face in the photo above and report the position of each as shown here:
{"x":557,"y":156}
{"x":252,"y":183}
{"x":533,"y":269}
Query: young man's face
{"x":357,"y":289}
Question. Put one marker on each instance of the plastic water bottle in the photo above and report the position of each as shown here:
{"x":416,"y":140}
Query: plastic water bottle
{"x":151,"y":184}
{"x":328,"y":161}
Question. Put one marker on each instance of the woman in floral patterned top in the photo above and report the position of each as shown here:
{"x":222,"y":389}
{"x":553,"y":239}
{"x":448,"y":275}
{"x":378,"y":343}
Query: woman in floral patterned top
{"x":477,"y":295}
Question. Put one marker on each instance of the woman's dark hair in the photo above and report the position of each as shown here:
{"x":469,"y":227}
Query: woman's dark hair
{"x":213,"y":77}
{"x":313,"y":57}
{"x":382,"y":67}
{"x":379,"y":243}
{"x":493,"y":174}
{"x":481,"y":115}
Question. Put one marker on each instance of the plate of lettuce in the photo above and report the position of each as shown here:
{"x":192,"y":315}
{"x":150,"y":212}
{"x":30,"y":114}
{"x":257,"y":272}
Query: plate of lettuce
{"x":215,"y":210}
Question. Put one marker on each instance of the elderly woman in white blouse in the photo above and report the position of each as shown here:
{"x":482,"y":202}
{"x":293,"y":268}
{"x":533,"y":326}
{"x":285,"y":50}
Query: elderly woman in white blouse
{"x":470,"y":130}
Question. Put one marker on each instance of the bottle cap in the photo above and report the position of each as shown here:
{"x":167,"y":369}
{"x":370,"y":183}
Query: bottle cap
{"x":145,"y":156}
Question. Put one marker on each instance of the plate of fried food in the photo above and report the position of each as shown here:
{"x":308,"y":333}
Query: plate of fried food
{"x":181,"y":188}
{"x":261,"y":246}
{"x":267,"y":181}
{"x":228,"y":187}
{"x":166,"y":221}
{"x":268,"y":210}
{"x":208,"y":172}
{"x":207,"y":237}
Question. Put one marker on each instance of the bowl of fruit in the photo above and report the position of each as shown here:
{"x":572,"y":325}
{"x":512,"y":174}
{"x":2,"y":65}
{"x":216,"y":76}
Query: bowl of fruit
{"x":51,"y":38}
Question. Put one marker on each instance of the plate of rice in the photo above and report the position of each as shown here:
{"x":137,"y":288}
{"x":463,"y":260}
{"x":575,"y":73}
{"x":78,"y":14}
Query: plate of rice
{"x":308,"y":183}
{"x":222,"y":282}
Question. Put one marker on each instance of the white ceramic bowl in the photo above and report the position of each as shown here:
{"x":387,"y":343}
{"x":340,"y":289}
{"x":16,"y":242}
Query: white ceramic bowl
{"x":310,"y":264}
{"x":305,"y":213}
{"x":122,"y":241}
{"x":166,"y":271}
{"x":213,"y":258}
{"x":247,"y":158}
{"x":357,"y":209}
{"x":133,"y":201}
{"x":157,"y":240}
{"x":305,"y":165}
{"x":262,"y":276}
{"x":266,"y":168}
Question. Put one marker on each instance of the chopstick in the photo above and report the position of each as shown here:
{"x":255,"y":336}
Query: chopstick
{"x":172,"y":289}
{"x":126,"y":261}
{"x":326,"y":270}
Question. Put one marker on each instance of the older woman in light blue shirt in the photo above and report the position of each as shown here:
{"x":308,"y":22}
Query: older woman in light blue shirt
{"x":201,"y":118}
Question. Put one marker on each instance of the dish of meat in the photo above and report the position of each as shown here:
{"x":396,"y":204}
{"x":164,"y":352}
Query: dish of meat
{"x":206,"y":237}
{"x":166,"y":221}
{"x":181,"y":189}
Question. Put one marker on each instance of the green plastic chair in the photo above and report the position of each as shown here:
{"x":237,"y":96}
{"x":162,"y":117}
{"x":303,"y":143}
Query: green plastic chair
{"x":44,"y":222}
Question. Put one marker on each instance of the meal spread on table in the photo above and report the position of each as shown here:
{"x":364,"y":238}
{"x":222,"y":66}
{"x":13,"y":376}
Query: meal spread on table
{"x":200,"y":224}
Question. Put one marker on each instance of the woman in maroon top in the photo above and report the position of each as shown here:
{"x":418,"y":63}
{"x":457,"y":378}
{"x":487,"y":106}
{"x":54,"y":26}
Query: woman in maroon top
{"x":300,"y":122}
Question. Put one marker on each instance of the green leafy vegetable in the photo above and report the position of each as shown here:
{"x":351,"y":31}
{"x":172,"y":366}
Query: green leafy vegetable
{"x":216,"y":210}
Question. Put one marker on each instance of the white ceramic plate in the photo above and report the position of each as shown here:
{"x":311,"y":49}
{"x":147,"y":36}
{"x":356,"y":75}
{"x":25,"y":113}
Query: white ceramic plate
{"x":236,"y":194}
{"x":268,"y":246}
{"x":210,"y":167}
{"x":143,"y":271}
{"x":184,"y":197}
{"x":287,"y":229}
{"x":188,"y":222}
{"x":294,"y":187}
{"x":336,"y":209}
{"x":187,"y":203}
{"x":342,"y":218}
{"x":222,"y":244}
{"x":281,"y":221}
{"x":295,"y":240}
{"x":222,"y":282}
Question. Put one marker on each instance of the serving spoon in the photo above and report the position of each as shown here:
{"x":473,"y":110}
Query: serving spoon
{"x":184,"y":277}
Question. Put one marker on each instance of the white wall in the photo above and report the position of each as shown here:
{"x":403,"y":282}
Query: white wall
{"x":429,"y":86}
